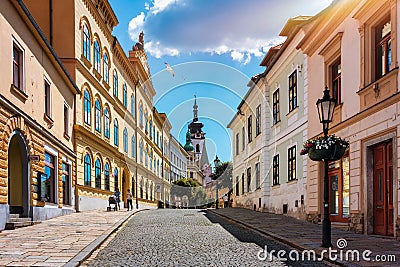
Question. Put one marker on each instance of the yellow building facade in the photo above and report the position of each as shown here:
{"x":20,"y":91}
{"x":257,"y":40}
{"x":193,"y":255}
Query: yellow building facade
{"x":37,"y":105}
{"x":114,"y":111}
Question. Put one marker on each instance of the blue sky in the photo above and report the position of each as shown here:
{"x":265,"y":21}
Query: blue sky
{"x":214,"y":47}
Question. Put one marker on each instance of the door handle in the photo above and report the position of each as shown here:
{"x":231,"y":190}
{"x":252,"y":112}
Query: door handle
{"x":379,"y":207}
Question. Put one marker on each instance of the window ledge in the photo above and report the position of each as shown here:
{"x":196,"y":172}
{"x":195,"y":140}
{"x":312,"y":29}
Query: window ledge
{"x":276,"y":186}
{"x":96,"y":74}
{"x":49,"y":120}
{"x":292,"y":112}
{"x":86,"y":62}
{"x":66,"y":136}
{"x":19,"y":93}
{"x":292,"y":182}
{"x":277,"y":124}
{"x":106,"y":85}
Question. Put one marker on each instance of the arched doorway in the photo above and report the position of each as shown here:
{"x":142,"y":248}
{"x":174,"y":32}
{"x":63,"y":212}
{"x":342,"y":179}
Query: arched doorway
{"x":18,"y":179}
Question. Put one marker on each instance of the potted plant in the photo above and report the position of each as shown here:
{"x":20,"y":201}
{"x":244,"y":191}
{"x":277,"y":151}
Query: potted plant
{"x":331,"y":147}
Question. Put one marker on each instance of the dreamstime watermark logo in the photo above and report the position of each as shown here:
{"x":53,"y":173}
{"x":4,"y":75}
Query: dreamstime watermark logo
{"x":339,"y":254}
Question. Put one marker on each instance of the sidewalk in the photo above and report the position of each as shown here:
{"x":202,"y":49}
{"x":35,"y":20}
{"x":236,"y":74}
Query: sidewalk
{"x":62,"y":241}
{"x":307,"y":236}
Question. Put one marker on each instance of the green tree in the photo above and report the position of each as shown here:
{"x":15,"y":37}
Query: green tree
{"x":192,"y":189}
{"x":223,"y":173}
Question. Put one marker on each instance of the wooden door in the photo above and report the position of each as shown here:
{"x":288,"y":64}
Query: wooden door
{"x":383,"y":189}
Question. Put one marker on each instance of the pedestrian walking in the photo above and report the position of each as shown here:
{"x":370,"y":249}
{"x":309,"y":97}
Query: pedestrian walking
{"x":117,"y":195}
{"x":226,"y":201}
{"x":129,"y":199}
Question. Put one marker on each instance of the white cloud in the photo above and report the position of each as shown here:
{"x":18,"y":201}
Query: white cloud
{"x":238,"y":56}
{"x":160,"y":5}
{"x":157,"y":50}
{"x":135,"y":26}
{"x":241,"y":29}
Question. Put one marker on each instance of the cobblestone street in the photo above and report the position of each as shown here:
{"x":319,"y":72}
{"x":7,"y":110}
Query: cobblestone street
{"x":184,"y":238}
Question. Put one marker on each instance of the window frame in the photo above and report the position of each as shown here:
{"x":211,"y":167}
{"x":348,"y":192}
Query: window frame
{"x":115,"y":83}
{"x":96,"y":56}
{"x":20,"y":65}
{"x":292,"y":91}
{"x":107,"y":122}
{"x":87,"y":170}
{"x":97,"y":116}
{"x":106,"y":68}
{"x":125,"y":140}
{"x":292,"y":162}
{"x":258,"y":120}
{"x":87,"y":103}
{"x":249,"y":129}
{"x":276,"y":107}
{"x":97,"y":173}
{"x":378,"y":43}
{"x":86,"y":42}
{"x":116,"y":129}
{"x":275,"y":170}
{"x":47,"y":98}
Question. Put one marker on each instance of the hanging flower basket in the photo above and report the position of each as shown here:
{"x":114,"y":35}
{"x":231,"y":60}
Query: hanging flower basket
{"x":320,"y":148}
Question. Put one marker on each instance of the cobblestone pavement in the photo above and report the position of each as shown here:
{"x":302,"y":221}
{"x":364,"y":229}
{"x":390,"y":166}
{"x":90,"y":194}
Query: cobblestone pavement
{"x":58,"y":241}
{"x":184,"y":238}
{"x":306,"y":236}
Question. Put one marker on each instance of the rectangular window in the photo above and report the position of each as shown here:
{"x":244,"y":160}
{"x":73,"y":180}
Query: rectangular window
{"x":275,"y":170}
{"x":237,"y":144}
{"x":48,"y":184}
{"x":336,"y":81}
{"x":258,"y":176}
{"x":258,"y":120}
{"x":18,"y":71}
{"x":275,"y":107}
{"x":249,"y":128}
{"x":293,"y":91}
{"x":292,"y":163}
{"x":66,"y":119}
{"x":47,"y":99}
{"x":243,"y":182}
{"x":248,"y":179}
{"x":237,"y":185}
{"x":383,"y":48}
{"x":243,"y":138}
{"x":66,"y":196}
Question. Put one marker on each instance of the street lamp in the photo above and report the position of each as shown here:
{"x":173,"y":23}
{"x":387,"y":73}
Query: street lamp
{"x":216,"y":164}
{"x":326,"y":106}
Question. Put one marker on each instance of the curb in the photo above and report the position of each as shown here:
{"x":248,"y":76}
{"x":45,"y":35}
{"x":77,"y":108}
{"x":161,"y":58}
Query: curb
{"x":281,"y":239}
{"x":89,"y":249}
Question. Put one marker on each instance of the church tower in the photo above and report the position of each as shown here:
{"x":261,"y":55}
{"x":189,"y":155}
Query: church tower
{"x":198,"y":137}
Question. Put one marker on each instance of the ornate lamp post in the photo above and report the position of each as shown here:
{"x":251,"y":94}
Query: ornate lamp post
{"x":216,"y":164}
{"x":326,"y":106}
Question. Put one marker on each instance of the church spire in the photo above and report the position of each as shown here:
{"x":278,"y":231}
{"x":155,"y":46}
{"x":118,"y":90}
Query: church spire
{"x":195,"y":111}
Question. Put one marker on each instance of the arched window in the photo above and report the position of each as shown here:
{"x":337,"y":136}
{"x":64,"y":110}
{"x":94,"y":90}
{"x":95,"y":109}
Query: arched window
{"x":106,"y":68}
{"x":146,"y":119}
{"x":97,"y":171}
{"x":106,"y":123}
{"x":151,"y":160}
{"x":158,"y":167}
{"x":87,"y":170}
{"x":155,"y":164}
{"x":115,"y":178}
{"x":151,"y":128}
{"x":107,"y":177}
{"x":96,"y":56}
{"x":125,"y":140}
{"x":125,"y":96}
{"x":116,"y":132}
{"x":133,"y":105}
{"x":97,"y":118}
{"x":141,"y":115}
{"x":197,"y":148}
{"x":154,"y":133}
{"x":86,"y":107}
{"x":141,"y":151}
{"x":147,"y":157}
{"x":115,"y":85}
{"x":86,"y":42}
{"x":133,"y":142}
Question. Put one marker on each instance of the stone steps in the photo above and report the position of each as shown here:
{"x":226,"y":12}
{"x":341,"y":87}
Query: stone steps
{"x":14,"y":221}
